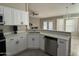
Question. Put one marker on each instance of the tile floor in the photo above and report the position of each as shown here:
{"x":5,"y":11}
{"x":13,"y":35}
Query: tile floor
{"x":32,"y":52}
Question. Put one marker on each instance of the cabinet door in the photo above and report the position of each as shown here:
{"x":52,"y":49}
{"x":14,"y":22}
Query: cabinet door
{"x":63,"y":47}
{"x":10,"y":46}
{"x":22,"y":43}
{"x":16,"y":17}
{"x":8,"y":16}
{"x":1,"y":10}
{"x":24,"y":18}
{"x":25,"y":42}
{"x":30,"y":41}
{"x":42,"y":42}
{"x":33,"y":40}
{"x":36,"y":42}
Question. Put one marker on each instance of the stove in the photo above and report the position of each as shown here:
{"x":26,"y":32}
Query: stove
{"x":2,"y":44}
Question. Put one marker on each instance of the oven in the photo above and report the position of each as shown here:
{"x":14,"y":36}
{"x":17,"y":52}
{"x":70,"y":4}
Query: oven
{"x":2,"y":44}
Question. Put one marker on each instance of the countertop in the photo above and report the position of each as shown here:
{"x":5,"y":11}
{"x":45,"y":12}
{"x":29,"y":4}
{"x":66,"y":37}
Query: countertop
{"x":56,"y":34}
{"x":11,"y":34}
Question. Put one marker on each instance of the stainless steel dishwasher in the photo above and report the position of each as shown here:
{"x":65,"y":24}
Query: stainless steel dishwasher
{"x":51,"y":45}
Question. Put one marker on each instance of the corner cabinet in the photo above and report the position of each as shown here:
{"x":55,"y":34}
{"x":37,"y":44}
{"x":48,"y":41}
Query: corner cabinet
{"x":13,"y":16}
{"x":33,"y":40}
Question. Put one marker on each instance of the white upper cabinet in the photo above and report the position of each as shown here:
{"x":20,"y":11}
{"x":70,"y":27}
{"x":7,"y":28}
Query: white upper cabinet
{"x":1,"y":10}
{"x":16,"y":17}
{"x":24,"y":18}
{"x":8,"y":16}
{"x":20,"y":17}
{"x":13,"y":16}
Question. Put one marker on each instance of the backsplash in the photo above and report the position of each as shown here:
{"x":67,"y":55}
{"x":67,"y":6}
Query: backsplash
{"x":22,"y":28}
{"x":6,"y":28}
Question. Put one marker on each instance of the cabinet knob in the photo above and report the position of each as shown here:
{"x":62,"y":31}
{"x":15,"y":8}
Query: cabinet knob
{"x":21,"y":22}
{"x":33,"y":39}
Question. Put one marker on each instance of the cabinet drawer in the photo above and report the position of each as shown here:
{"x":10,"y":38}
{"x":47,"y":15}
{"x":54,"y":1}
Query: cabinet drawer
{"x":62,"y":41}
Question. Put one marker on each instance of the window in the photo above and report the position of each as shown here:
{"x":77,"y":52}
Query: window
{"x":45,"y":25}
{"x":48,"y":25}
{"x":69,"y":26}
{"x":60,"y":24}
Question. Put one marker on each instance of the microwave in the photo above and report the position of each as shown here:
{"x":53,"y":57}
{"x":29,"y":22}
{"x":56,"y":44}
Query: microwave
{"x":1,"y":20}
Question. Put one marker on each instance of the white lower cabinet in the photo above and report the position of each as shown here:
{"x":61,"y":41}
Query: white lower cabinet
{"x":22,"y":42}
{"x":33,"y":40}
{"x":42,"y":42}
{"x":16,"y":44}
{"x":63,"y":47}
{"x":11,"y":46}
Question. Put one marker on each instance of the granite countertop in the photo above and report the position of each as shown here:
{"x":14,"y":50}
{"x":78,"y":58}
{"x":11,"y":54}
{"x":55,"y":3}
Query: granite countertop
{"x":56,"y":34}
{"x":11,"y":34}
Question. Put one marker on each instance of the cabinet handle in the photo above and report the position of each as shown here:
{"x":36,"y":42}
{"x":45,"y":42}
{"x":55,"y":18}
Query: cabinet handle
{"x":17,"y":42}
{"x":21,"y":37}
{"x":61,"y":42}
{"x":11,"y":39}
{"x":21,"y":22}
{"x":4,"y":22}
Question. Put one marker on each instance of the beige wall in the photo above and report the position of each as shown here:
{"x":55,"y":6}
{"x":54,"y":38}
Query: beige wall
{"x":6,"y":28}
{"x":35,"y":22}
{"x":22,"y":28}
{"x":20,"y":6}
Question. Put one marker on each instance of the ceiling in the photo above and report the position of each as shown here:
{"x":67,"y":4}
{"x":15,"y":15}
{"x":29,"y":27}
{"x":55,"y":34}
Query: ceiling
{"x":49,"y":9}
